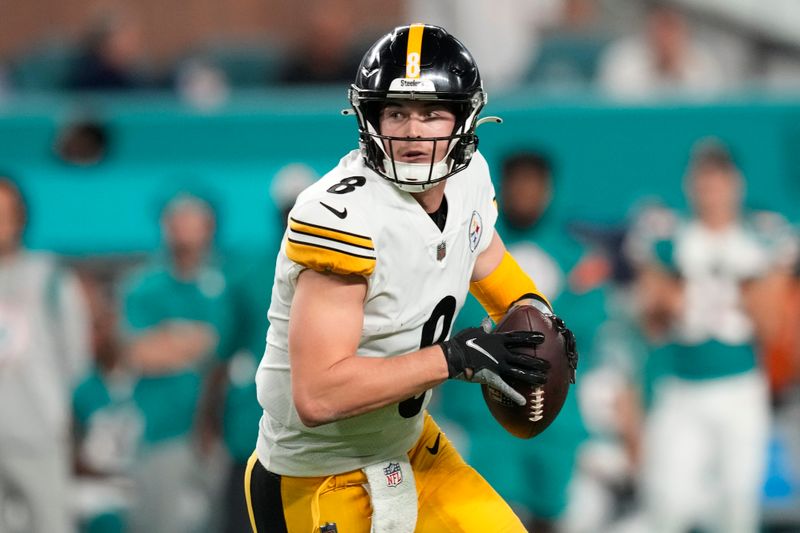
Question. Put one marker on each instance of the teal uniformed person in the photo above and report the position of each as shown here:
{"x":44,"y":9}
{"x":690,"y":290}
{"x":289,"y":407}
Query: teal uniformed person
{"x":534,"y":474}
{"x":107,"y":422}
{"x":177,"y":315}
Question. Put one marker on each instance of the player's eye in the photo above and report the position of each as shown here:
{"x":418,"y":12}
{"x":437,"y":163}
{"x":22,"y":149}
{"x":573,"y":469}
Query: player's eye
{"x":393,"y":114}
{"x":437,"y":114}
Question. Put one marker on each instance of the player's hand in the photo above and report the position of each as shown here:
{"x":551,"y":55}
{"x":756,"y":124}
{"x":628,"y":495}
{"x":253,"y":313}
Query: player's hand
{"x":489,"y":358}
{"x":570,"y":346}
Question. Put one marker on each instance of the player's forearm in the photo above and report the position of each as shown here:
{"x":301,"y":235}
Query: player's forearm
{"x":498,"y":281}
{"x":356,"y":385}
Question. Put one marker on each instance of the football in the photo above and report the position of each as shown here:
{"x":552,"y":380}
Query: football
{"x":543,"y":403}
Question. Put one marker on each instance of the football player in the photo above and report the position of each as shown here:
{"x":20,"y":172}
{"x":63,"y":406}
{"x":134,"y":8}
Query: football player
{"x":376,"y":261}
{"x":706,"y":436}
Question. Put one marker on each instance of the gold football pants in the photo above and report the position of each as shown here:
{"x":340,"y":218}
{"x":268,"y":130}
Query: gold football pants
{"x":452,"y":496}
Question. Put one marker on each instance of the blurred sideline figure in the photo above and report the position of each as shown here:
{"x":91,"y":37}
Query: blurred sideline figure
{"x":535,"y":474}
{"x":664,"y":60}
{"x":251,"y":285}
{"x":569,"y":51}
{"x":44,"y":348}
{"x":108,"y":423}
{"x":480,"y":23}
{"x":326,"y":52}
{"x":176,"y":322}
{"x":112,"y":52}
{"x":704,"y":449}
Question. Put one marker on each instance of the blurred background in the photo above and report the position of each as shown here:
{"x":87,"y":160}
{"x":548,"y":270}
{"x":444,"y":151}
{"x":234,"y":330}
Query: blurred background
{"x":648,"y":177}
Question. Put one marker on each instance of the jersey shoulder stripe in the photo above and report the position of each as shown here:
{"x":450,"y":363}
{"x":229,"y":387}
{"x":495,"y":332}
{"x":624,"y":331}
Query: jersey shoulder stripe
{"x":327,"y":249}
{"x":316,"y":230}
{"x":327,"y":259}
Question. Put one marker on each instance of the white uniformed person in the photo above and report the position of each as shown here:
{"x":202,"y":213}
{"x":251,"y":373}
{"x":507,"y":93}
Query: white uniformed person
{"x":376,"y":261}
{"x":705,"y":445}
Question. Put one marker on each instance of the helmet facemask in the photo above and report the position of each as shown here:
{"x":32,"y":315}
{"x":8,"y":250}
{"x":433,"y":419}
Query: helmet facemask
{"x":378,"y":152}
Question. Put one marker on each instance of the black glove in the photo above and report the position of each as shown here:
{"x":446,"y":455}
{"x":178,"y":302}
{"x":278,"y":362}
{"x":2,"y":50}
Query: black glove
{"x":480,"y":357}
{"x":570,"y":346}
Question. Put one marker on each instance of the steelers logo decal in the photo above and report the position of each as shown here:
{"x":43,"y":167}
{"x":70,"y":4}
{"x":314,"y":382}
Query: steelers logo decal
{"x":475,"y":230}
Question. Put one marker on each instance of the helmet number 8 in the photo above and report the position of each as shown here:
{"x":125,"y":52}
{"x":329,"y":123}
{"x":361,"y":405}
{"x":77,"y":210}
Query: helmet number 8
{"x":412,"y":65}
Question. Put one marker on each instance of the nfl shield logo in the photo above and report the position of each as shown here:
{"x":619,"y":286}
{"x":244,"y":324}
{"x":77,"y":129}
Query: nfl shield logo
{"x":475,"y":230}
{"x":394,"y":474}
{"x":441,"y":251}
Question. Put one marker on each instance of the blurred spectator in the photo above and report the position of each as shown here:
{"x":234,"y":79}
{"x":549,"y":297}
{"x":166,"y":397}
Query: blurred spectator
{"x":705,"y":446}
{"x":482,"y":25}
{"x":615,"y":394}
{"x":202,"y":84}
{"x":251,"y":286}
{"x":534,"y":475}
{"x":665,"y":59}
{"x":44,"y":348}
{"x":177,"y":319}
{"x":111,"y":56}
{"x":326,"y":52}
{"x":570,"y":50}
{"x":83,"y":142}
{"x":287,"y":184}
{"x":108,"y":424}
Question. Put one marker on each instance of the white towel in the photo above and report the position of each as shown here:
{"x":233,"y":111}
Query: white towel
{"x":393,"y":492}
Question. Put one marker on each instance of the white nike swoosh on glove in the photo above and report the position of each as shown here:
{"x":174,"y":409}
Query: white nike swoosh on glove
{"x":471,"y":344}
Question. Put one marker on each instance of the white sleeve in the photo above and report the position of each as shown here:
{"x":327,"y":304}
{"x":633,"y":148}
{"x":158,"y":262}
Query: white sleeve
{"x":330,"y":236}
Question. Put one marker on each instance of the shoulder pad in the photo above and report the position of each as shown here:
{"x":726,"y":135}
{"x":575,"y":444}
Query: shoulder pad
{"x":326,"y":236}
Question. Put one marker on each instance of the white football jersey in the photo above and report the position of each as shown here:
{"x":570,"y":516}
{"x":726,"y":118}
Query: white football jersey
{"x":355,"y":222}
{"x":715,"y":264}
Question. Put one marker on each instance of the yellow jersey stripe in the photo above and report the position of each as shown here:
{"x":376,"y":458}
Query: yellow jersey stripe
{"x":251,"y":463}
{"x":354,"y":239}
{"x":324,"y":259}
{"x":414,"y":50}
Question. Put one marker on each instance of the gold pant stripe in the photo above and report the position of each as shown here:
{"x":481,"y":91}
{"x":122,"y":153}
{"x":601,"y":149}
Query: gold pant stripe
{"x":247,"y":475}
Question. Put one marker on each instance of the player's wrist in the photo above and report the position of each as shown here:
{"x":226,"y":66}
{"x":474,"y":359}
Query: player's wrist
{"x":453,"y":358}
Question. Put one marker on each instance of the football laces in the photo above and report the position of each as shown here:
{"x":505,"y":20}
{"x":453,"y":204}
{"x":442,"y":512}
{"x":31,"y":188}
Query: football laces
{"x":536,"y":404}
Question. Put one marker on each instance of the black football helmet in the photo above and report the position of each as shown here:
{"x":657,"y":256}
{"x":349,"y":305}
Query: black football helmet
{"x":417,"y":62}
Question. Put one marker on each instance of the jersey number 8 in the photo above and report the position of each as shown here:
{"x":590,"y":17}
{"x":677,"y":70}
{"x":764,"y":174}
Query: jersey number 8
{"x":444,"y":310}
